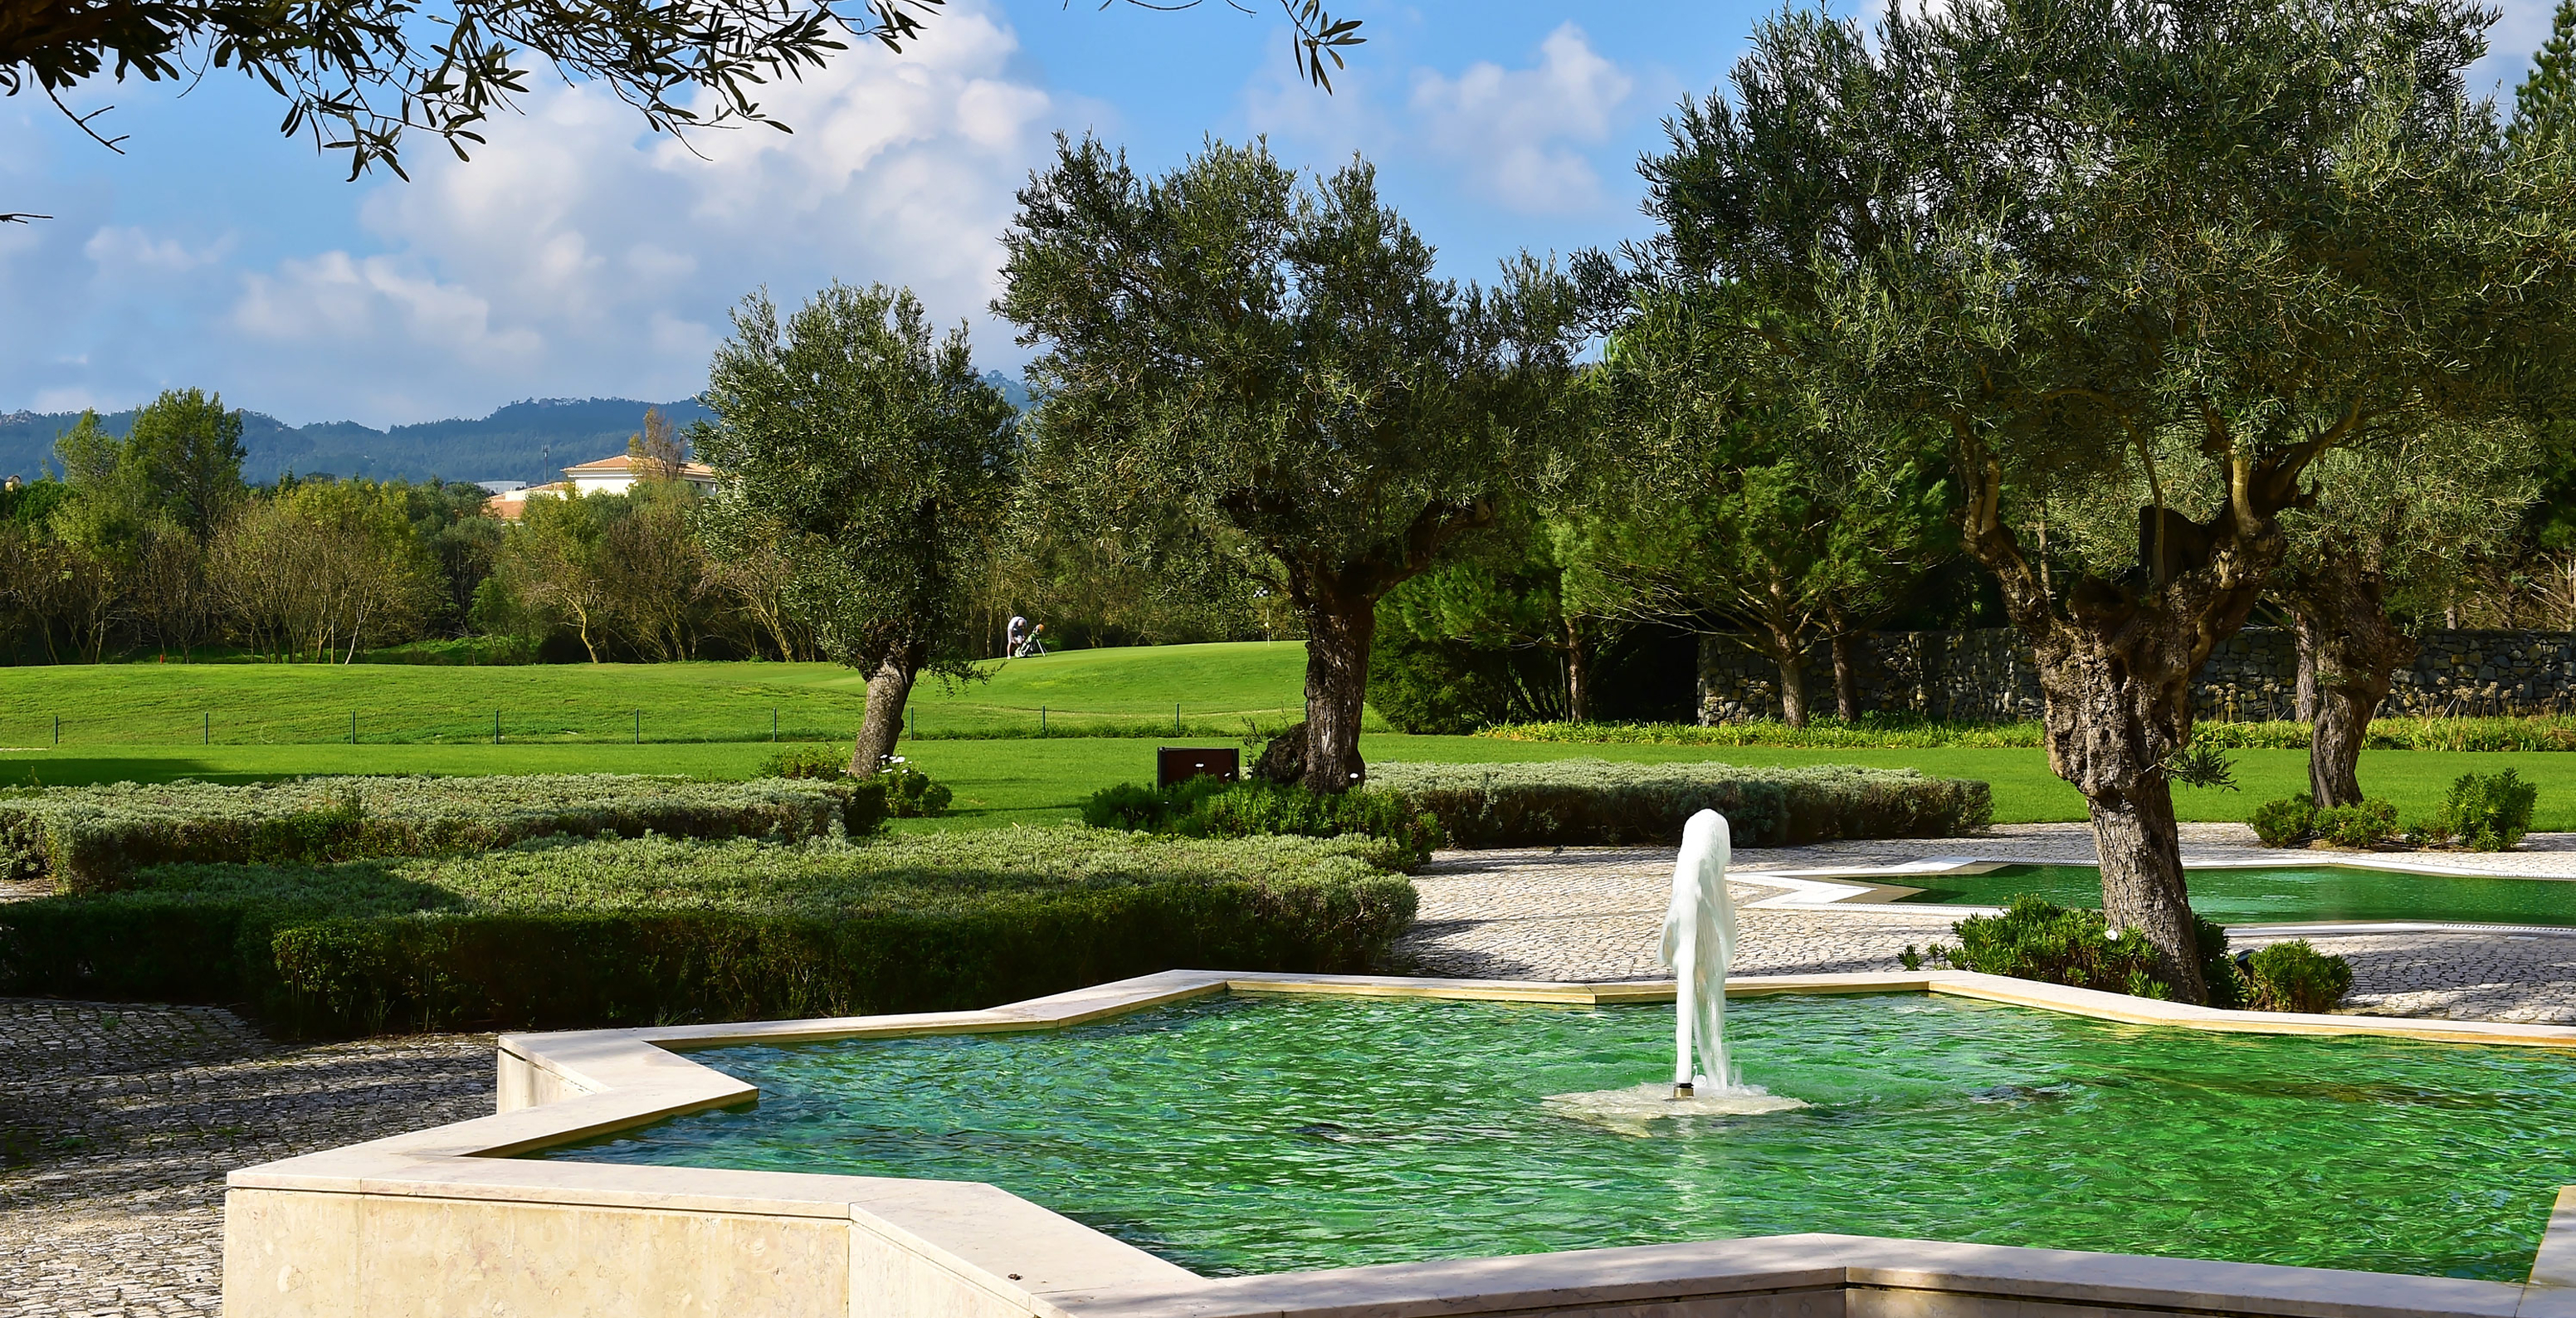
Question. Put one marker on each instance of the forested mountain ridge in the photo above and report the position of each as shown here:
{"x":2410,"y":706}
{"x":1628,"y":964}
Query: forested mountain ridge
{"x":525,"y":441}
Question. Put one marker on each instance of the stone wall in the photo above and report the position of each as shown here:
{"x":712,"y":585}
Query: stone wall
{"x":1986,"y":675}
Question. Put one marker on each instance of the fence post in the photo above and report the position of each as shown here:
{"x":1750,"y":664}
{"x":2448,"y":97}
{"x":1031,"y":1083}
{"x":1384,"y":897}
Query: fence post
{"x":1041,"y":720}
{"x":773,"y":723}
{"x":58,"y":729}
{"x":353,"y":727}
{"x":206,"y":734}
{"x":1176,"y":718}
{"x":639,"y":727}
{"x":496,"y":727}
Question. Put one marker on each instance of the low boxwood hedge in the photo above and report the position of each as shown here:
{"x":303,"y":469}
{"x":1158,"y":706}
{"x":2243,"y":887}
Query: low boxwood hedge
{"x":566,"y":934}
{"x":90,"y":839}
{"x":1566,"y":802}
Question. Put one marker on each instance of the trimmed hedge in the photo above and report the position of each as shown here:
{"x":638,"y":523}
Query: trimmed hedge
{"x":1566,"y":802}
{"x":565,"y":934}
{"x":90,"y":839}
{"x":2534,"y":732}
{"x":1402,"y":834}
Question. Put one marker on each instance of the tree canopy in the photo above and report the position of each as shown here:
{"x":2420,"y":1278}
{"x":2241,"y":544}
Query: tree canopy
{"x":1238,"y":366}
{"x":2055,"y":230}
{"x":867,"y":451}
{"x":359,"y":76}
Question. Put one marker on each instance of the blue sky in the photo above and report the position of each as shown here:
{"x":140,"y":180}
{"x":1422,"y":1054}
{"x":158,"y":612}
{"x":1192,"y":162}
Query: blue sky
{"x":578,"y":256}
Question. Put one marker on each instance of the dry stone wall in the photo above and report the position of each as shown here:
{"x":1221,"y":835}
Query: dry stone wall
{"x":1986,"y":675}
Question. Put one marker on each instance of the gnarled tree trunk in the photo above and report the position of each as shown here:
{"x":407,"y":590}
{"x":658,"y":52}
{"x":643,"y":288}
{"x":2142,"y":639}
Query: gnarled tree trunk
{"x":2115,"y":672}
{"x":2115,"y":703}
{"x":1339,"y":631}
{"x":2357,"y":652}
{"x":889,"y":687}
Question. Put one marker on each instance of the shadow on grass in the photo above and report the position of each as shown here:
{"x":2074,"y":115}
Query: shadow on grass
{"x":85,"y":770}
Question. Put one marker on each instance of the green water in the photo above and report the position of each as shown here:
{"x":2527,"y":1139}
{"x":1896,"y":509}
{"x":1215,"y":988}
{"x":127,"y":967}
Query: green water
{"x":2272,"y":896}
{"x":1247,"y":1135}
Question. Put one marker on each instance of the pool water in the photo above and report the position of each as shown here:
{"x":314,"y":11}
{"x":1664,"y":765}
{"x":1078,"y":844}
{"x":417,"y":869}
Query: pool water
{"x":1246,"y":1135}
{"x":2276,"y":895}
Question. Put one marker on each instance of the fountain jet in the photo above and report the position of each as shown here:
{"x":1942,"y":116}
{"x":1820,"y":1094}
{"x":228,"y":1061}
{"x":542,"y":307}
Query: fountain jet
{"x":1699,"y":945}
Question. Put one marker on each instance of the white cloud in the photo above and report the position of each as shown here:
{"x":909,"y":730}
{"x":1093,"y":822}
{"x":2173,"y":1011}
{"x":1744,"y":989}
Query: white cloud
{"x":573,"y":255}
{"x":1519,"y":134}
{"x":128,"y":249}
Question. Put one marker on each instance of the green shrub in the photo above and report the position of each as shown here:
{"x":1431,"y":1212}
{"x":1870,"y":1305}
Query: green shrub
{"x":910,"y":793}
{"x":2285,"y":822}
{"x":809,"y":761}
{"x":2295,"y":976}
{"x":2485,"y":811}
{"x":2368,"y":824}
{"x":2294,"y":820}
{"x":1209,"y":807}
{"x":91,"y":838}
{"x":1140,"y":808}
{"x":2040,"y":940}
{"x":562,"y":934}
{"x":898,"y":790}
{"x":1566,"y":802}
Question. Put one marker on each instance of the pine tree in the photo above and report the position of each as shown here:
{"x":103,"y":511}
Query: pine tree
{"x":2544,"y":106}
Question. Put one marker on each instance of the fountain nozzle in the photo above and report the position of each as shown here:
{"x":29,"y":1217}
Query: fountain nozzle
{"x":1682,"y":1089}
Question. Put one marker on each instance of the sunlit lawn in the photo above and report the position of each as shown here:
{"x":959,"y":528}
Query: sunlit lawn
{"x":1028,"y":781}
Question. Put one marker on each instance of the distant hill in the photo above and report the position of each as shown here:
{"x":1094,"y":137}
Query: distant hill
{"x":530,"y":441}
{"x":527,"y":441}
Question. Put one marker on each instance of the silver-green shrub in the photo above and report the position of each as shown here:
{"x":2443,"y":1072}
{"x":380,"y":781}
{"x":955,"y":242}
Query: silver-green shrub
{"x":92,"y":838}
{"x":1562,"y":802}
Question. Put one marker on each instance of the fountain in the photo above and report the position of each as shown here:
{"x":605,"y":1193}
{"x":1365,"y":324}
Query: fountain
{"x":1699,"y":944}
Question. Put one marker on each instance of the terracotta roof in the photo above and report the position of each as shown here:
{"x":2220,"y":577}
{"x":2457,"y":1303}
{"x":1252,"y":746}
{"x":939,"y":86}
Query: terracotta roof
{"x":620,"y":465}
{"x":512,"y":506}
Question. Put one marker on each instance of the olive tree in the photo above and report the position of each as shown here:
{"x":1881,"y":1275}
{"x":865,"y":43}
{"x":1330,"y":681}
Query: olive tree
{"x":2390,"y":521}
{"x":2056,"y":230}
{"x":866,"y":451}
{"x":1239,"y":365}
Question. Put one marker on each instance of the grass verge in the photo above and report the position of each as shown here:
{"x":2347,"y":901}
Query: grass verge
{"x":1003,"y":783}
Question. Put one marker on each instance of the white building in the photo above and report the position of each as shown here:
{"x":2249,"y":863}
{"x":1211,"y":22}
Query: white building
{"x":607,"y":476}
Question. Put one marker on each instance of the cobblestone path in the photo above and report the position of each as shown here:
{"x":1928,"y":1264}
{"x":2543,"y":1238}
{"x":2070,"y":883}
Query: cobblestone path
{"x":1596,"y":913}
{"x":118,"y":1122}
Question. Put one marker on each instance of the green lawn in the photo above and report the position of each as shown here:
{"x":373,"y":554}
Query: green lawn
{"x":1135,"y":691}
{"x":145,"y":721}
{"x":1005,"y":782}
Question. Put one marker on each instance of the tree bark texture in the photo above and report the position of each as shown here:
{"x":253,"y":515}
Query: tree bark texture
{"x":1578,"y":674}
{"x":1339,"y":632}
{"x":2115,"y":670}
{"x":889,"y":688}
{"x":1846,"y":677}
{"x":1337,"y":599}
{"x":2358,"y":651}
{"x":2304,"y":628}
{"x":1785,"y":653}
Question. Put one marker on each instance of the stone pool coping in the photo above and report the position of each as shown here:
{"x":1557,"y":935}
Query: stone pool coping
{"x":445,"y":1221}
